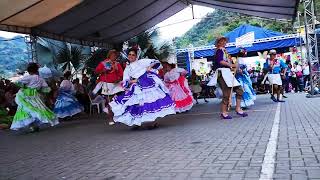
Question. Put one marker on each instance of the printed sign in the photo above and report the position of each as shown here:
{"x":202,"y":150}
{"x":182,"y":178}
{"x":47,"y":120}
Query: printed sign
{"x":245,"y":40}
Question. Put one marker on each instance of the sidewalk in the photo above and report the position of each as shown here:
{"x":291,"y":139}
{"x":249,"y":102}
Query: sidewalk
{"x":194,"y":145}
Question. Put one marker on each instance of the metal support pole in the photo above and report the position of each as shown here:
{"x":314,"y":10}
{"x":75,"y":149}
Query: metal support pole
{"x":306,"y":29}
{"x":192,"y":11}
{"x":300,"y":37}
{"x":311,"y":44}
{"x":31,"y":42}
{"x":34,"y":48}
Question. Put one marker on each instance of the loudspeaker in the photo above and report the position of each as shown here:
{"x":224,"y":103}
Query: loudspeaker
{"x":182,"y":60}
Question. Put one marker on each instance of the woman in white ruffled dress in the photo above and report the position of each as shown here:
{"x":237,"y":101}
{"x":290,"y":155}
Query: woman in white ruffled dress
{"x":146,"y":97}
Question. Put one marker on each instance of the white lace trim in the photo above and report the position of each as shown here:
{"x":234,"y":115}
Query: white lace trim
{"x":16,"y":125}
{"x":69,"y":113}
{"x":130,"y":120}
{"x":244,"y":103}
{"x":139,"y":97}
{"x":184,"y":109}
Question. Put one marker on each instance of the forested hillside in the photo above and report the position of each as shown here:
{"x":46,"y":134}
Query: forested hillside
{"x":13,"y":54}
{"x":219,"y":22}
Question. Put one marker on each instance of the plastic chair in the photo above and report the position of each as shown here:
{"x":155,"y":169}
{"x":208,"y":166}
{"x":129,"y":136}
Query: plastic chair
{"x":92,"y":104}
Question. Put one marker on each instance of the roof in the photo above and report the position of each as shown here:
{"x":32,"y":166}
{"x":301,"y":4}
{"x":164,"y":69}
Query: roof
{"x":274,"y":9}
{"x":259,"y":32}
{"x":101,"y":22}
{"x":264,"y":40}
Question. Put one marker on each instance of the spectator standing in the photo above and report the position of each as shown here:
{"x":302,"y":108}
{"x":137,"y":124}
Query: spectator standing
{"x":306,"y":73}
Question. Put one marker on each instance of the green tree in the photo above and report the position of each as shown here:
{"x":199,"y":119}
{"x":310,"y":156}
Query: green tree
{"x":95,"y":59}
{"x":150,"y":46}
{"x":71,"y":57}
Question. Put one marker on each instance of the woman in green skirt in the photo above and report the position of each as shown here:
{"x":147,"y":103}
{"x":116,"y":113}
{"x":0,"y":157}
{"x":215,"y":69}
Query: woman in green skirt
{"x":32,"y":112}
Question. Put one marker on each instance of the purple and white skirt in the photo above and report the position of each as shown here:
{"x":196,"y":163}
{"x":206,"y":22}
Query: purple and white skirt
{"x":145,"y":101}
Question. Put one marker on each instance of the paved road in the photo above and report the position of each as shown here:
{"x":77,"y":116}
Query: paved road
{"x":195,"y":145}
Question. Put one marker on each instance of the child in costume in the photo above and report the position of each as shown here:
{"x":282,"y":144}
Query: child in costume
{"x":178,"y":87}
{"x":249,"y":95}
{"x":32,"y":112}
{"x":243,"y":78}
{"x":67,"y":104}
{"x":274,"y":67}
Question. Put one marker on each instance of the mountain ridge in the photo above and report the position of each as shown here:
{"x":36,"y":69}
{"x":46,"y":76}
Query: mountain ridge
{"x":13,"y":54}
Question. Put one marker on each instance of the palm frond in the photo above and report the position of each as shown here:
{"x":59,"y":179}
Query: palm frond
{"x":63,"y":56}
{"x":77,"y":57}
{"x":95,"y":59}
{"x":73,"y":56}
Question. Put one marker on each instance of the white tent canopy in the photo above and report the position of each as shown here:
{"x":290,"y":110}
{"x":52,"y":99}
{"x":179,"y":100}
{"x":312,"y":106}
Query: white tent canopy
{"x":102,"y":22}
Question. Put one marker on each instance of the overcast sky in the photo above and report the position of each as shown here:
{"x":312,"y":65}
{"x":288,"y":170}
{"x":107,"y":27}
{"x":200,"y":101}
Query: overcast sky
{"x":170,"y":28}
{"x":8,"y":34}
{"x":181,"y":22}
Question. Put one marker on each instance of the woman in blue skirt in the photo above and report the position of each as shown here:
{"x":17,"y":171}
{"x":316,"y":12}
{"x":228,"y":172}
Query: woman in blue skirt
{"x":243,"y":77}
{"x":66,"y":104}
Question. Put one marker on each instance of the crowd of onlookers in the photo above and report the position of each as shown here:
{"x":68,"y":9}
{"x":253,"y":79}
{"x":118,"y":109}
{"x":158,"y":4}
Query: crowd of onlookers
{"x":7,"y":95}
{"x":297,"y":78}
{"x":8,"y":106}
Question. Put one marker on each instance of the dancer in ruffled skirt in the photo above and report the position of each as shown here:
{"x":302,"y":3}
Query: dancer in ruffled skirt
{"x":276,"y":71}
{"x":224,"y":79}
{"x":242,"y":76}
{"x":32,"y":112}
{"x":66,"y":104}
{"x":249,"y":95}
{"x":178,"y":87}
{"x":146,"y":97}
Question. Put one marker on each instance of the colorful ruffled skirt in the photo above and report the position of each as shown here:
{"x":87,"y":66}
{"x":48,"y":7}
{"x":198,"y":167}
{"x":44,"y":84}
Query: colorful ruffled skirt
{"x":249,"y":95}
{"x":145,"y":101}
{"x":31,"y":110}
{"x":181,"y":94}
{"x":67,"y":105}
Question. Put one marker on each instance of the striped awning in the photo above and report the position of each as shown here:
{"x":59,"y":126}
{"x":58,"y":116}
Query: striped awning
{"x":104,"y":22}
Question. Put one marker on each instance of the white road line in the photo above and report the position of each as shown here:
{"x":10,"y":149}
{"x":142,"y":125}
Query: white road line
{"x":270,"y":154}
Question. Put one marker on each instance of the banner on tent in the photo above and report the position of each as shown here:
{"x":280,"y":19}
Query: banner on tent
{"x":245,"y":40}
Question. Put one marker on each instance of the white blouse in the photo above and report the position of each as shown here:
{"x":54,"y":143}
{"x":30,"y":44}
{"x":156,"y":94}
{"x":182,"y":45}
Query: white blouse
{"x":174,"y":74}
{"x":67,"y":85}
{"x":33,"y":81}
{"x":138,"y":68}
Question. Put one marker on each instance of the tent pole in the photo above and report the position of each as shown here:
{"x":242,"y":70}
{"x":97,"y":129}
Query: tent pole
{"x":31,"y":42}
{"x":299,"y":30}
{"x":192,"y":11}
{"x":311,"y":44}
